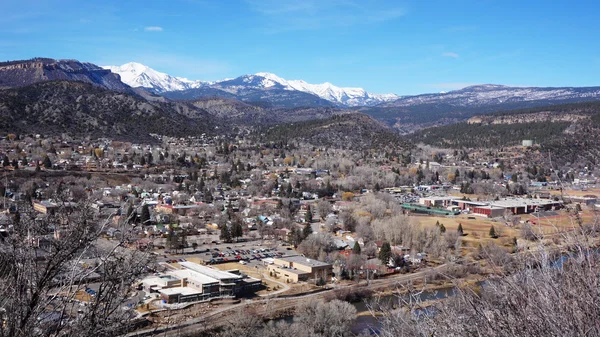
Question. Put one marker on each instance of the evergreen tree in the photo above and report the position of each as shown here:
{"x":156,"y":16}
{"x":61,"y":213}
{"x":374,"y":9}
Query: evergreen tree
{"x":292,"y":236}
{"x":442,"y":228}
{"x":237,"y":231}
{"x":356,"y":248}
{"x":385,"y":253}
{"x":145,"y":216}
{"x":5,"y":161}
{"x":308,"y":215}
{"x":15,"y":164}
{"x":307,"y":230}
{"x":493,"y":233}
{"x":460,"y":230}
{"x":172,"y":240}
{"x":182,"y":239}
{"x":47,"y":163}
{"x":225,"y":235}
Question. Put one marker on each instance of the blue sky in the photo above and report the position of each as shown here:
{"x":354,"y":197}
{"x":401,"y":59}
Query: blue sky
{"x":404,"y":47}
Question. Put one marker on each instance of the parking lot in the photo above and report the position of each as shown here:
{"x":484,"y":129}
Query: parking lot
{"x":215,"y":252}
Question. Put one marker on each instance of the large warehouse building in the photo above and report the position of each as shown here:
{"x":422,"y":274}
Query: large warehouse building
{"x":196,"y":282}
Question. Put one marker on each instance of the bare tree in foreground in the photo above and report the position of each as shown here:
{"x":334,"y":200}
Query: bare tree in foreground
{"x":550,"y":295}
{"x":311,"y":319}
{"x":46,"y":264}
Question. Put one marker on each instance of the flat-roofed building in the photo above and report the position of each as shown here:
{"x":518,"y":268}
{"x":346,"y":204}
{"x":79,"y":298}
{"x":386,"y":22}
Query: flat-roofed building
{"x":180,"y":295}
{"x":197,"y":282}
{"x":526,"y":205}
{"x":489,"y":211}
{"x":437,"y":201}
{"x":154,"y":283}
{"x":298,"y":268}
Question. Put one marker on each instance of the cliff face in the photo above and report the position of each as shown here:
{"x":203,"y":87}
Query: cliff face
{"x":22,"y":73}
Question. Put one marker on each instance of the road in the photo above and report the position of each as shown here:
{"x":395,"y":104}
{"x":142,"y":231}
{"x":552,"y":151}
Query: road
{"x":201,"y":322}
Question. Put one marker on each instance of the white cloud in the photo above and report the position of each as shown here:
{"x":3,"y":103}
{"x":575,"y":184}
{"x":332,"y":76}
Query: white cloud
{"x":153,"y":29}
{"x":450,"y":54}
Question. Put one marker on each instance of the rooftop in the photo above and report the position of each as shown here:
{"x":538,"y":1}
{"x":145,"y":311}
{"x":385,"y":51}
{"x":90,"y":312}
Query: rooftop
{"x":179,"y":290}
{"x":210,"y":272}
{"x":297,"y":259}
{"x":192,"y":275}
{"x":521,"y":202}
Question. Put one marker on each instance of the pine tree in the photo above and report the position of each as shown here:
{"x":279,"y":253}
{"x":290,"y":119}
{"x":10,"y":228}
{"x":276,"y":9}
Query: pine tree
{"x":15,"y":164}
{"x":237,"y":231}
{"x":225,"y":234}
{"x":172,"y":240}
{"x":5,"y":161}
{"x":493,"y":233}
{"x":385,"y":253}
{"x":307,"y":230}
{"x":47,"y":163}
{"x":145,"y":216}
{"x":442,"y":228}
{"x":356,"y":248}
{"x":308,"y":215}
{"x":182,"y":239}
{"x":460,"y":230}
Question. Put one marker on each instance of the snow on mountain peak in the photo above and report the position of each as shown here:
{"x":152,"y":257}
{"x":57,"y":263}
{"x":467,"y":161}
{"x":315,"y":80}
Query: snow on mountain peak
{"x":330,"y":92}
{"x":138,"y":75}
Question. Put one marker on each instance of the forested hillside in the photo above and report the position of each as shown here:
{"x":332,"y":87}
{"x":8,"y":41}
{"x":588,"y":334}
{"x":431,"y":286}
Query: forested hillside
{"x":350,"y":131}
{"x":78,"y":108}
{"x":461,"y":135}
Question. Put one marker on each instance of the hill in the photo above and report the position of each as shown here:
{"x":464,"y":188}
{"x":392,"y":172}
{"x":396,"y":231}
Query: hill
{"x":410,"y":113}
{"x":25,"y":72}
{"x":567,"y":133}
{"x":346,"y":131}
{"x":84,"y":109}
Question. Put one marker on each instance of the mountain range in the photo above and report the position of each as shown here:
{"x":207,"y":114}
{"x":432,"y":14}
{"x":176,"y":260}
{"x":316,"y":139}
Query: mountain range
{"x":243,"y":87}
{"x":261,"y":99}
{"x":410,"y":113}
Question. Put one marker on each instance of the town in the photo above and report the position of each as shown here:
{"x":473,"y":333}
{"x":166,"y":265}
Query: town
{"x":213,"y":221}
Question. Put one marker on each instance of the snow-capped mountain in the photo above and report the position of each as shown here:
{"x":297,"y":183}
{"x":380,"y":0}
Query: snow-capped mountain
{"x":328,"y":91}
{"x":138,"y":75}
{"x":494,"y":95}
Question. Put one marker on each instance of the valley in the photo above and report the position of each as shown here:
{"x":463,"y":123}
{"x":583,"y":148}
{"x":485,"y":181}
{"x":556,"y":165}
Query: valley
{"x":206,"y":208}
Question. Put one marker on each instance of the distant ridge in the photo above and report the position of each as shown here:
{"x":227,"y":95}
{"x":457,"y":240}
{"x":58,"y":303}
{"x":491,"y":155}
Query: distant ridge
{"x":25,"y":72}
